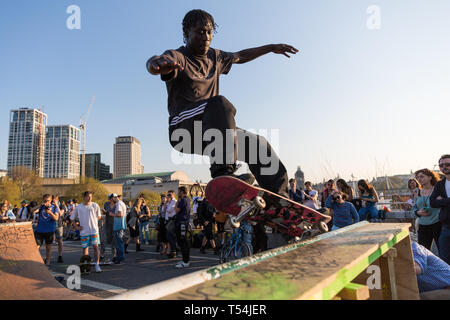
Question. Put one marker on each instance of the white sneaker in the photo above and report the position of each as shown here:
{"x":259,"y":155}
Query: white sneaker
{"x":97,"y":268}
{"x":183,"y":265}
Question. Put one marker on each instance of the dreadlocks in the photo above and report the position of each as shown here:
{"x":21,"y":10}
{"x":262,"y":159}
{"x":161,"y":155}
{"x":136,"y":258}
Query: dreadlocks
{"x":193,"y":17}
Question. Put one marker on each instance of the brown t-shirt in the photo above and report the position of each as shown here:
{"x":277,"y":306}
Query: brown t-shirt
{"x":199,"y":79}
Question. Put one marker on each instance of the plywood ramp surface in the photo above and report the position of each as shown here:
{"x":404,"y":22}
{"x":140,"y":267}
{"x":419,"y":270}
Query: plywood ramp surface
{"x":23,"y":274}
{"x":314,"y":271}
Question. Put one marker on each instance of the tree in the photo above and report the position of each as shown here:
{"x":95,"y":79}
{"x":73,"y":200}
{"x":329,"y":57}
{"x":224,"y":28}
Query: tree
{"x":152,"y":198}
{"x":88,"y":184}
{"x":29,"y":183}
{"x":9,"y":190}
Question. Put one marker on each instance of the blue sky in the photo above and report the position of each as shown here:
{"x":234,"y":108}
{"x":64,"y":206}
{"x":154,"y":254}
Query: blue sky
{"x":354,"y":100}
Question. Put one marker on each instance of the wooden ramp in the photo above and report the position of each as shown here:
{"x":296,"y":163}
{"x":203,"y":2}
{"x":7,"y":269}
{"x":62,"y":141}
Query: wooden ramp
{"x":339,"y":266}
{"x":23,"y":275}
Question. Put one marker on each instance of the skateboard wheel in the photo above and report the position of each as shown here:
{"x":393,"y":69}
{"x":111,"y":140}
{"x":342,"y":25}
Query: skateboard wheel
{"x":259,"y":202}
{"x":323,"y":227}
{"x":234,"y":223}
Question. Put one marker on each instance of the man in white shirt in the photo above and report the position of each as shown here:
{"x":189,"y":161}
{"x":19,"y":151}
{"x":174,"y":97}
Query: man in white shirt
{"x":170,"y":222}
{"x":88,"y":213}
{"x":170,"y":205}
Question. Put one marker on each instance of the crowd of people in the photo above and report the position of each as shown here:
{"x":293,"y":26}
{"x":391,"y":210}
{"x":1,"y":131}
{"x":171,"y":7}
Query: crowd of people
{"x":101,"y":227}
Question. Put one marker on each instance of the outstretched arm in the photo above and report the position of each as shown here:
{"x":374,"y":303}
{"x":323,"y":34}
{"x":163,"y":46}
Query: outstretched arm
{"x":162,"y":65}
{"x":251,"y":54}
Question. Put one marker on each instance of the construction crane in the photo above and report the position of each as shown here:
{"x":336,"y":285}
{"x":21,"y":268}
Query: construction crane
{"x":83,"y":124}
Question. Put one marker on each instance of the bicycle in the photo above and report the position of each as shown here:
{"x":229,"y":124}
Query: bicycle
{"x":235,"y":247}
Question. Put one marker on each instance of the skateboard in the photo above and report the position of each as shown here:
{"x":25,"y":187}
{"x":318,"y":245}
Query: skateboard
{"x":85,"y":264}
{"x":243,"y":201}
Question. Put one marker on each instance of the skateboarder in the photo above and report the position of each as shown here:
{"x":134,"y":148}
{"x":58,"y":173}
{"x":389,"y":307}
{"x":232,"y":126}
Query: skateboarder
{"x":89,"y":214}
{"x":191,"y":74}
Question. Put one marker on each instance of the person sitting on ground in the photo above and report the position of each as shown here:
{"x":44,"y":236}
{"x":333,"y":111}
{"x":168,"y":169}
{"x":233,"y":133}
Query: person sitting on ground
{"x":369,"y":197}
{"x":344,"y":212}
{"x":432,"y":272}
{"x":6,"y":214}
{"x":206,"y":213}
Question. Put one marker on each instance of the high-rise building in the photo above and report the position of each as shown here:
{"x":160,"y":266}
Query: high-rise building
{"x":127,"y":157}
{"x":62,"y":152}
{"x":26,"y":139}
{"x":95,"y":168}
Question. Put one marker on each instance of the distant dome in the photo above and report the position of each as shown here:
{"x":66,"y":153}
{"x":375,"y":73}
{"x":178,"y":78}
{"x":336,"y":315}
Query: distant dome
{"x":300,"y":177}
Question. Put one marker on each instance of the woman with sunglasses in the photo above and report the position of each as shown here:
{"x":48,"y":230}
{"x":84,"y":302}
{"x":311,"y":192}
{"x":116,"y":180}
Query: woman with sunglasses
{"x":344,"y":212}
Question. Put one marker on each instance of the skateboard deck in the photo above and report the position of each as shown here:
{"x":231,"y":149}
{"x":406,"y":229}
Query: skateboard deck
{"x":231,"y":195}
{"x":85,"y":264}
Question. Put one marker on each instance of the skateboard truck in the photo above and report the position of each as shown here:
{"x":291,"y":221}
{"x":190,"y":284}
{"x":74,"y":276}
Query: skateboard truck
{"x":258,"y":203}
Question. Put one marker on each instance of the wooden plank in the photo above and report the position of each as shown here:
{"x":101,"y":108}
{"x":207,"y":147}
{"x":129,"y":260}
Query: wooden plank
{"x":23,"y":275}
{"x":354,"y":291}
{"x":405,"y":275}
{"x":316,"y":271}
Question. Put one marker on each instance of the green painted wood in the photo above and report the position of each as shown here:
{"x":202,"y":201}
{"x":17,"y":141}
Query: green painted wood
{"x":318,"y":270}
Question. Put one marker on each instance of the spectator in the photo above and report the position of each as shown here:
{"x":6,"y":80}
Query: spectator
{"x":295,"y":194}
{"x":183,"y":210}
{"x":310,"y":196}
{"x":106,"y":229}
{"x":59,"y":226}
{"x":144,"y":222}
{"x":432,"y":273}
{"x":414,"y":187}
{"x":206,"y":219}
{"x":6,"y":214}
{"x":88,"y":213}
{"x":329,"y":186}
{"x":220,"y":218}
{"x":170,"y":224}
{"x":24,"y":212}
{"x":347,"y":191}
{"x":429,"y":225}
{"x":195,"y":202}
{"x":369,"y":197}
{"x":48,"y":215}
{"x":133,"y":224}
{"x":344,"y":212}
{"x":161,"y":226}
{"x":119,"y":215}
{"x":260,"y":239}
{"x":440,"y":198}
